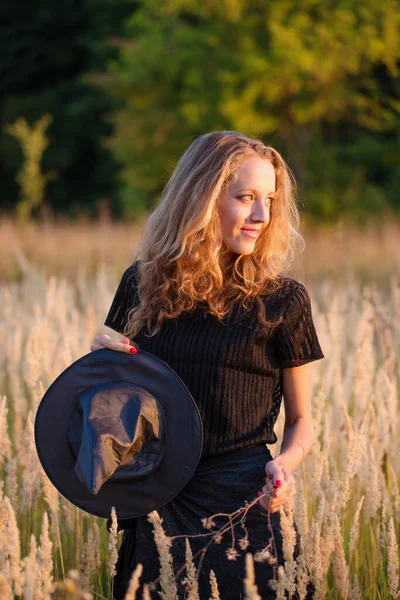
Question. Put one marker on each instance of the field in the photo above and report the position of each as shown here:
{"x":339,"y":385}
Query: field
{"x":56,"y":285}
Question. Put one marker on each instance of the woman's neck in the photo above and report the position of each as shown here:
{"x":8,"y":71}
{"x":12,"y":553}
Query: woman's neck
{"x":226,"y":258}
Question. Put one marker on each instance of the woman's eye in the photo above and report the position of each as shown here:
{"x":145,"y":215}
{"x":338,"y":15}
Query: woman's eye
{"x":252,"y":197}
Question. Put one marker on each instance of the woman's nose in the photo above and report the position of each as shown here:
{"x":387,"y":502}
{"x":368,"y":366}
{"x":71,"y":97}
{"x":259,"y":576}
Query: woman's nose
{"x":260,"y":212}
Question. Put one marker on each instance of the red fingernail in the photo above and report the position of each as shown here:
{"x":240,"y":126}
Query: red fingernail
{"x":132,"y":350}
{"x":278,"y":483}
{"x":259,"y":494}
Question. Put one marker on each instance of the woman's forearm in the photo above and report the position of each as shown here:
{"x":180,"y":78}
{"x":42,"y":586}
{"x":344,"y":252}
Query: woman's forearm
{"x":296,"y":443}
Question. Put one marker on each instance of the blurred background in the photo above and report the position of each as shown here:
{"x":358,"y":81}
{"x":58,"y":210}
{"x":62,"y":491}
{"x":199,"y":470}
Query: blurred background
{"x":101,"y":97}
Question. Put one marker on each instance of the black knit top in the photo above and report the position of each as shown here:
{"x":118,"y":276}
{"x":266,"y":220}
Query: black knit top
{"x":233,"y":368}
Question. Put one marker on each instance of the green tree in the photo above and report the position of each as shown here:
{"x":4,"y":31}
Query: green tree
{"x":46,"y":51}
{"x":31,"y":180}
{"x":282,"y":70}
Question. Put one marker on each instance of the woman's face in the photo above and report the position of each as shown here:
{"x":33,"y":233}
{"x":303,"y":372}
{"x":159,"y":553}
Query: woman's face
{"x":245,"y":205}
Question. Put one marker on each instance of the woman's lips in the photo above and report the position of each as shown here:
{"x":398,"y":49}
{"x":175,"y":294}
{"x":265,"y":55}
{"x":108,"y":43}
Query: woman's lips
{"x":251,"y":233}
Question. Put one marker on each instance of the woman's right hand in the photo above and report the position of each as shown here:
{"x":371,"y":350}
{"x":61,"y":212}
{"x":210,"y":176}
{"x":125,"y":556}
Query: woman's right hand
{"x":103,"y":340}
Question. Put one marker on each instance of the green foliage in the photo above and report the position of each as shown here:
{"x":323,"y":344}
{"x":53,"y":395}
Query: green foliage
{"x":354,"y":177}
{"x":31,"y":179}
{"x":279,"y":70}
{"x":47,"y":50}
{"x":130,"y":84}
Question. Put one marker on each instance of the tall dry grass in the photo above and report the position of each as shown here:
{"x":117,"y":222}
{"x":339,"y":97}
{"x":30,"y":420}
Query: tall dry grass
{"x":371,"y":253}
{"x":347,"y":506}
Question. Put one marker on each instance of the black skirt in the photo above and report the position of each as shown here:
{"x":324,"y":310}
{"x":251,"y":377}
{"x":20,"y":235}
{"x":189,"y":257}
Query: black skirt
{"x":221,"y":484}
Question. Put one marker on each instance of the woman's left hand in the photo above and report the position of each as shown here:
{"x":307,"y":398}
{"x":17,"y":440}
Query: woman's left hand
{"x":280,"y":484}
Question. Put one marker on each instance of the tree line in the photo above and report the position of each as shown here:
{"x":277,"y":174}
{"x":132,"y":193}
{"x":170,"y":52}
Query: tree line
{"x":129,"y":84}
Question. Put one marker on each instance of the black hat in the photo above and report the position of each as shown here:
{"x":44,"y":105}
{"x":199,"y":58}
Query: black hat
{"x":117,"y":429}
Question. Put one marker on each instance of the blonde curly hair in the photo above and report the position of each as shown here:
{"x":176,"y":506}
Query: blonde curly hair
{"x":182,"y":243}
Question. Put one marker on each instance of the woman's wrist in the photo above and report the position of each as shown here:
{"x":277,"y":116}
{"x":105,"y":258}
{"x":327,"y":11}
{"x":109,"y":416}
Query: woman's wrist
{"x":291,"y":459}
{"x":283,"y":462}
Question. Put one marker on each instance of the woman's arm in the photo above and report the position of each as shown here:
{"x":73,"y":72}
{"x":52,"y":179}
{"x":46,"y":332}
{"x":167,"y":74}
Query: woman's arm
{"x":297,"y":433}
{"x":297,"y":436}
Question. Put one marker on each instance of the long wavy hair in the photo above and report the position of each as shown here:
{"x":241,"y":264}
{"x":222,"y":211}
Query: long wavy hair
{"x":181,"y":248}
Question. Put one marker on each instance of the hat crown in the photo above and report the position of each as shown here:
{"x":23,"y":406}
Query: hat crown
{"x":142,"y":481}
{"x":117,"y":431}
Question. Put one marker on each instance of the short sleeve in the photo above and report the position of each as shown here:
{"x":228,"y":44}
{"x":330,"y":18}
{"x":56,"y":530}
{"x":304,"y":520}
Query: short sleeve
{"x":126,"y":297}
{"x":296,"y":339}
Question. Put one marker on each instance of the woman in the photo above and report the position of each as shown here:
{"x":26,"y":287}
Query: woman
{"x":208,"y":297}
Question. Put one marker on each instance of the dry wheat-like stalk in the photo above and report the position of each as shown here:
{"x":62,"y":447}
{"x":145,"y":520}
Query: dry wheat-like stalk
{"x":51,"y":497}
{"x":383,"y":534}
{"x":190,"y":582}
{"x":5,"y":590}
{"x":12,"y":482}
{"x":163,"y":543}
{"x":3,"y":516}
{"x":12,"y":549}
{"x":373,"y":491}
{"x":90,"y":558}
{"x":288,"y":545}
{"x":393,"y":561}
{"x":31,"y":472}
{"x":146,"y":592}
{"x":31,"y":574}
{"x":364,"y":362}
{"x":356,"y":593}
{"x":112,"y":545}
{"x":45,"y":561}
{"x":300,"y":506}
{"x":5,"y":442}
{"x":4,"y":563}
{"x":378,"y":552}
{"x":355,"y":527}
{"x":214,"y":587}
{"x":70,"y":514}
{"x":250,"y":587}
{"x":327,"y":545}
{"x":386,"y":404}
{"x":313,"y":543}
{"x":50,"y":492}
{"x":280,"y":584}
{"x":395,"y":491}
{"x":95,"y":543}
{"x":331,"y":479}
{"x":349,"y":473}
{"x":340,"y":568}
{"x":84,"y":567}
{"x":34,"y":356}
{"x":20,"y":409}
{"x":302,"y":574}
{"x":134,"y":583}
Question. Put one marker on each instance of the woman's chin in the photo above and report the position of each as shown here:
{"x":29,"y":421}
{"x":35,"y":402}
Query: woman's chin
{"x":232,"y":250}
{"x":245,"y":249}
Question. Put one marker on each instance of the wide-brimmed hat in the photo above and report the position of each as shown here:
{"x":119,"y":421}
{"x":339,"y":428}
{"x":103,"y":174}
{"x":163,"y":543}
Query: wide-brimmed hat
{"x":118,"y":430}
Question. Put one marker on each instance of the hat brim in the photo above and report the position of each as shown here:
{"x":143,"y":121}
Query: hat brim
{"x":184,"y":433}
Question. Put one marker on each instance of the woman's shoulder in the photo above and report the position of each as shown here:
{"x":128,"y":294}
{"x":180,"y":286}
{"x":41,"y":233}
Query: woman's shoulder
{"x":130,"y":274}
{"x":128,"y":285}
{"x":286,"y":294}
{"x":284,"y":286}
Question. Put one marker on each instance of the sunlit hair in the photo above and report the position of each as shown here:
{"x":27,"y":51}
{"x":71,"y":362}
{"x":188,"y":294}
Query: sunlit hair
{"x":181,"y":248}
